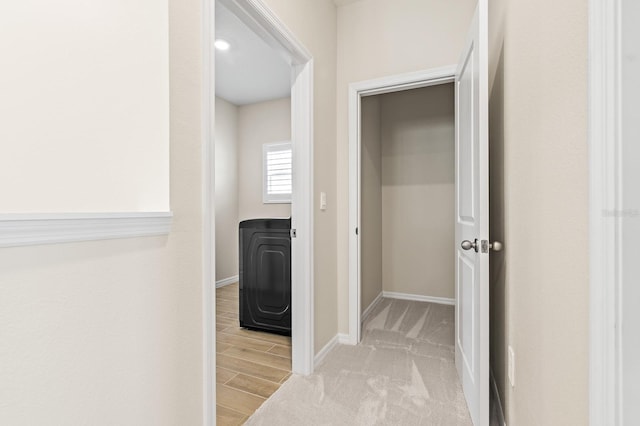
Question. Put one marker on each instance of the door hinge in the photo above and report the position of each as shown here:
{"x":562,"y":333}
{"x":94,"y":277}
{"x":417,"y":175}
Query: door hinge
{"x":292,"y":233}
{"x":356,"y":230}
{"x":484,"y":246}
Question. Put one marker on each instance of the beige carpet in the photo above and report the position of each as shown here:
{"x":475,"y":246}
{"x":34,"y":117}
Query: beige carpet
{"x":403,"y":373}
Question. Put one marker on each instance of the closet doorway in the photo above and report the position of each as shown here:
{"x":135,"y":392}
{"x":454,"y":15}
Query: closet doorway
{"x":407,"y":196}
{"x":402,"y":191}
{"x":404,"y":151}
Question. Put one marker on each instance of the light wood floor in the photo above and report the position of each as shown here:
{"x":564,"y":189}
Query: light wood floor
{"x":251,"y":365}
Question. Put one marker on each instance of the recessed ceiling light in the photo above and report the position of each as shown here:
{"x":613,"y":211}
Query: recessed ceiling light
{"x":221,"y":44}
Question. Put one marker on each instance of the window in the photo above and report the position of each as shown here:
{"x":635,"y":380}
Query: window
{"x":277,"y":179}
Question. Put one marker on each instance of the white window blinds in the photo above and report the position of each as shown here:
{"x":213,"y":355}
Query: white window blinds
{"x":277,"y":172}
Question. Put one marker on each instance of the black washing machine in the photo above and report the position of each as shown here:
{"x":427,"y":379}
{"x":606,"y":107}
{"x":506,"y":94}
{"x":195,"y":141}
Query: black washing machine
{"x":265,"y":275}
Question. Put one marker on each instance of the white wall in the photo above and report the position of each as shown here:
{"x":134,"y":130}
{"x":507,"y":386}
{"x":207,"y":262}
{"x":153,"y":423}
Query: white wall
{"x":110,"y":332}
{"x":260,"y":123}
{"x":378,"y":38}
{"x":226,"y":191}
{"x":371,"y":202}
{"x":84,"y":106}
{"x":418,"y":138}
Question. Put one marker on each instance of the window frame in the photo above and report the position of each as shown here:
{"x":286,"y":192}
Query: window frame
{"x":275,"y":198}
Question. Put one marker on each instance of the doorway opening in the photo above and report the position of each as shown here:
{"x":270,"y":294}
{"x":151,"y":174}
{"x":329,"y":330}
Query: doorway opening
{"x":393,"y":116}
{"x":259,"y":126}
{"x":403,"y":260}
{"x":407,"y":197}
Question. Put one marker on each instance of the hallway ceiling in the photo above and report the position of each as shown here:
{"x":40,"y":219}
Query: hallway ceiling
{"x":250,"y":71}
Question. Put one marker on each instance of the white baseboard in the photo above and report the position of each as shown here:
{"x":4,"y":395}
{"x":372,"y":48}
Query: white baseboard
{"x":339,"y":338}
{"x":55,"y":228}
{"x":419,"y":298}
{"x":496,"y":396}
{"x":227,"y":281}
{"x":373,"y":304}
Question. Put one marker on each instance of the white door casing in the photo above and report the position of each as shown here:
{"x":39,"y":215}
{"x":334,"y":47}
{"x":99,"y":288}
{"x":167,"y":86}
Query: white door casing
{"x":378,"y":86}
{"x":256,"y":15}
{"x":472,"y":219}
{"x":261,"y":20}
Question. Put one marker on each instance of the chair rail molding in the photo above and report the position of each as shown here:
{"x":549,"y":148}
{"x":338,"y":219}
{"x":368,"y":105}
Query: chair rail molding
{"x":26,"y":229}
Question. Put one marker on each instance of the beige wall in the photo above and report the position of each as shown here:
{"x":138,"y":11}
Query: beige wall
{"x":84,"y":106}
{"x":539,"y":182}
{"x":371,"y":202}
{"x":314,"y":24}
{"x":418,"y":139}
{"x":110,"y":332}
{"x":226,"y":191}
{"x":379,"y":38}
{"x":259,"y":123}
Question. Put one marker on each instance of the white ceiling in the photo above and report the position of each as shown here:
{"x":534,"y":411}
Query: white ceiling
{"x":250,"y":71}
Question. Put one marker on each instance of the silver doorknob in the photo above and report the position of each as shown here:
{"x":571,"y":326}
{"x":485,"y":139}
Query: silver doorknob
{"x":468,"y":245}
{"x":495,"y":246}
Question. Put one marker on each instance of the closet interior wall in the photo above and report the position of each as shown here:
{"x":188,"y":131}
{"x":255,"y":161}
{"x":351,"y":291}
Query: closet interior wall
{"x":407,"y":193}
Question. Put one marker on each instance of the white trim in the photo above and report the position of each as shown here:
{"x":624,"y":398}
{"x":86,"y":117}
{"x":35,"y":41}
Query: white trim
{"x":257,"y":15}
{"x":367,"y":312}
{"x":605,"y":174}
{"x":496,"y":399}
{"x":378,"y":86}
{"x":302,"y":316}
{"x":406,"y":81}
{"x":54,"y":228}
{"x":338,"y":339}
{"x":227,"y":281}
{"x":419,"y":298}
{"x":208,"y":257}
{"x":354,"y":216}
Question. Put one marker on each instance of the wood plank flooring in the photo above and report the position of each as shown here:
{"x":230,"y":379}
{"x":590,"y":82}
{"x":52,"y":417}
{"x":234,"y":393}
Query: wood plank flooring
{"x":251,"y":365}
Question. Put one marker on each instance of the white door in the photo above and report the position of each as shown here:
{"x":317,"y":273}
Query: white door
{"x":472,"y":220}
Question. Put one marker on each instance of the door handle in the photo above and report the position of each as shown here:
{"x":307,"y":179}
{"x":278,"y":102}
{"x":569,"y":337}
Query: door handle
{"x":468,"y":245}
{"x":495,"y":246}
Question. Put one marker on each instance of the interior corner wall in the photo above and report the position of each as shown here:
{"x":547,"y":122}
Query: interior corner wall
{"x":370,"y":202}
{"x":259,"y":123}
{"x":379,"y":38}
{"x":539,"y":179}
{"x":84,"y":106}
{"x":226,"y":191}
{"x":110,"y":332}
{"x":418,"y":152}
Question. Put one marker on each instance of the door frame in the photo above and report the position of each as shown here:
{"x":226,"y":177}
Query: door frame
{"x":259,"y":17}
{"x":390,"y":84}
{"x":605,"y":204}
